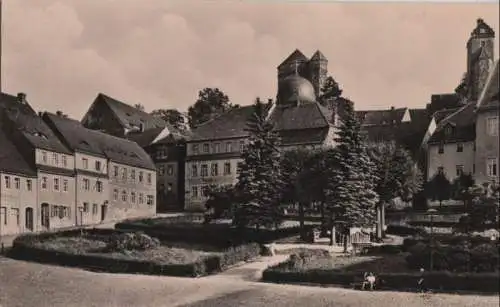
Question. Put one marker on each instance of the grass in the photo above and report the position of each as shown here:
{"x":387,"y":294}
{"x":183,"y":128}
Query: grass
{"x":163,"y":254}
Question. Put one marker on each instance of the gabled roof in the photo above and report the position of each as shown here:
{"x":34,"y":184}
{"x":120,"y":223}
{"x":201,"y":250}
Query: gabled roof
{"x":482,"y":29}
{"x":297,"y":55}
{"x":318,"y":56}
{"x":116,"y":149}
{"x":442,"y":114}
{"x":232,"y":124}
{"x":463,"y":126}
{"x":303,"y":116}
{"x":11,"y":160}
{"x":128,"y":115}
{"x":489,"y":96}
{"x":167,"y":135}
{"x":381,"y":117}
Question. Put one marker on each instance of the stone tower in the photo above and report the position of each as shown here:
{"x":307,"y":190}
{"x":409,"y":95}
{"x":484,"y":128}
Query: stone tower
{"x":480,"y":56}
{"x":318,"y":71}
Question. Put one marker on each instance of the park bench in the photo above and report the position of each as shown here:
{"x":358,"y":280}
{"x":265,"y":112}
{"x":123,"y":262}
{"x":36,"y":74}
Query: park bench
{"x":360,"y":248}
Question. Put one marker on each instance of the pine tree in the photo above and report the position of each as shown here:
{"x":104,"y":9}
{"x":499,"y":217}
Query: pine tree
{"x":350,"y":193}
{"x":259,"y":182}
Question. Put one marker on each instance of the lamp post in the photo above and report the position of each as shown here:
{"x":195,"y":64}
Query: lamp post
{"x":431,"y":213}
{"x":80,"y":209}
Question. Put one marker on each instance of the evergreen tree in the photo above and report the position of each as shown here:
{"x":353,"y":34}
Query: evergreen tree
{"x":439,"y":188}
{"x":260,"y":181}
{"x":330,"y":90}
{"x":350,"y":193}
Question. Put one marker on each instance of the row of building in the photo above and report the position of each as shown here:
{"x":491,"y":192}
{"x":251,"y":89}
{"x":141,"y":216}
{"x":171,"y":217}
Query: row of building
{"x":119,"y":161}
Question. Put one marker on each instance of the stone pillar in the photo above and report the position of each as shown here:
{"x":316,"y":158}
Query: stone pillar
{"x":382,"y":218}
{"x":379,"y":222}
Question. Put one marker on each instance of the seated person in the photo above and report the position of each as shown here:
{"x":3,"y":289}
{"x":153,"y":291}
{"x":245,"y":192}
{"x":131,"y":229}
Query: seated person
{"x":369,"y":279}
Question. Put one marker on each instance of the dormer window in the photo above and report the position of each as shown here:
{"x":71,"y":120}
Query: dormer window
{"x":448,"y":130}
{"x":460,"y":147}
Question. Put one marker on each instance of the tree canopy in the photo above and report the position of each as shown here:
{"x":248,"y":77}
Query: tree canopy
{"x":330,"y":90}
{"x":171,"y":116}
{"x":211,"y":102}
{"x":139,"y":106}
{"x":439,"y":188}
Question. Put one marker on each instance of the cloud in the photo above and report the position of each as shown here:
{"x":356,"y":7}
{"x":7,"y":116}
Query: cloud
{"x":161,"y":53}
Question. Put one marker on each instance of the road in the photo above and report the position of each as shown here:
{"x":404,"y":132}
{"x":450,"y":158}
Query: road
{"x":31,"y":284}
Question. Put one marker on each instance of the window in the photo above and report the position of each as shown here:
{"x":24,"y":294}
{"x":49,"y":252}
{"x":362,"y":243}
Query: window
{"x":115,"y":194}
{"x":124,"y":174}
{"x":150,"y":200}
{"x":53,"y":211}
{"x":85,"y":163}
{"x":98,"y":165}
{"x":29,"y":218}
{"x":64,"y":160}
{"x":17,"y":183}
{"x":44,"y":157}
{"x":55,"y":157}
{"x":229,"y":147}
{"x":85,"y":207}
{"x":492,"y":126}
{"x":65,"y":185}
{"x":169,"y":187}
{"x":214,"y":169}
{"x":194,"y":170}
{"x":141,"y":177}
{"x":459,"y":170}
{"x":98,"y":186}
{"x":206,"y":148}
{"x":15,"y":213}
{"x":161,"y":170}
{"x":216,"y":147}
{"x":44,"y":183}
{"x":204,"y":170}
{"x":94,"y":209}
{"x":242,"y":146}
{"x":448,"y":130}
{"x":492,"y":167}
{"x":86,"y":184}
{"x":7,"y":182}
{"x":195,"y":149}
{"x":239,"y":166}
{"x":194,"y":192}
{"x":141,"y":198}
{"x":440,"y":170}
{"x":150,"y":178}
{"x":29,"y":184}
{"x":170,"y":170}
{"x":124,"y":195}
{"x":441,"y":148}
{"x":115,"y":171}
{"x":132,"y":175}
{"x":56,"y":184}
{"x":474,"y":147}
{"x":460,"y":147}
{"x":227,"y":168}
{"x":205,"y":191}
{"x":3,"y":215}
{"x":132,"y":197}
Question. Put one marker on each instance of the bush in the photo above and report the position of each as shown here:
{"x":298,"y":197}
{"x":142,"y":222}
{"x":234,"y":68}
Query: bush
{"x":401,"y":230}
{"x":384,"y":250}
{"x":444,"y":281}
{"x":120,"y":242}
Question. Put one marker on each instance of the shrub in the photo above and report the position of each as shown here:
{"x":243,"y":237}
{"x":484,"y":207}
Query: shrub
{"x":401,"y":230}
{"x":120,"y":242}
{"x":384,"y":250}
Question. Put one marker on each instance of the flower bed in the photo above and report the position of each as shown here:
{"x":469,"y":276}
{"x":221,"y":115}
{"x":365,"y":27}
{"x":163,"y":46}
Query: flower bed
{"x":123,"y":252}
{"x":317,"y":268}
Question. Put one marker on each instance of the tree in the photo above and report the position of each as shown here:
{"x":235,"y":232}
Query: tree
{"x":461,"y":188}
{"x":350,"y":195}
{"x":439,"y":188}
{"x":260,"y":180}
{"x":330,"y":90}
{"x":171,"y":116}
{"x":219,"y":203}
{"x":139,"y":106}
{"x":211,"y":102}
{"x":397,"y":176}
{"x":483,"y":212}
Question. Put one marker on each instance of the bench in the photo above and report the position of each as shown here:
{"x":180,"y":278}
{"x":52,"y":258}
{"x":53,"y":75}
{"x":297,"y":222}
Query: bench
{"x":357,"y":283}
{"x":361,"y":247}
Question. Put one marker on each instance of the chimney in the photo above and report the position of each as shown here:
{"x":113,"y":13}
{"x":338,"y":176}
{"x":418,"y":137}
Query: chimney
{"x":59,"y":113}
{"x":393,"y":108}
{"x":21,"y":97}
{"x":40,"y":113}
{"x":480,"y":21}
{"x":270,"y":101}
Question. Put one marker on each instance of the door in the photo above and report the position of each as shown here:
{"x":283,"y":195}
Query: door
{"x":45,"y":216}
{"x":29,"y":219}
{"x":104,"y":209}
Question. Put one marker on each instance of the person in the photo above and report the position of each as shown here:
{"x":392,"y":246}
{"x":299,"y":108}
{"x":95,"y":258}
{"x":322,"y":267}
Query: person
{"x":421,"y":281}
{"x":369,"y":279}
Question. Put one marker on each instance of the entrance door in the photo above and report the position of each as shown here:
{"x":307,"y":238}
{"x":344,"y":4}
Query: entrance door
{"x":45,"y":216}
{"x":104,"y":209}
{"x":29,"y":219}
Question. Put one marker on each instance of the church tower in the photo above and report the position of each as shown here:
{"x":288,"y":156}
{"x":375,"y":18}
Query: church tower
{"x":480,"y":53}
{"x":318,"y":71}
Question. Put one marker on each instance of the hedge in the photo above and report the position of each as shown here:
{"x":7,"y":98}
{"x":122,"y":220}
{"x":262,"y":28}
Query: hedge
{"x":442,"y":281}
{"x":446,"y":239}
{"x":24,"y":249}
{"x":221,"y":235}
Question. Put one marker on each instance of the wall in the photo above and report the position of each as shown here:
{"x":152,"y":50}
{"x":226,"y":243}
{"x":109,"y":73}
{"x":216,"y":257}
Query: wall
{"x":168,"y":185}
{"x":130,"y":185}
{"x":91,"y":196}
{"x":54,"y":159}
{"x":13,"y":204}
{"x":486,"y":147}
{"x":59,"y":198}
{"x":450,"y":159}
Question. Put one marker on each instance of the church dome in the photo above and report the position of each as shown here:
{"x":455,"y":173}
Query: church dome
{"x":295,"y":89}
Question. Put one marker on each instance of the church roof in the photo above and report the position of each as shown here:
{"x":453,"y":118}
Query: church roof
{"x":380,"y":117}
{"x":297,"y":55}
{"x":482,"y":29}
{"x":295,"y":88}
{"x":130,"y":116}
{"x":301,"y":117}
{"x":318,"y":56}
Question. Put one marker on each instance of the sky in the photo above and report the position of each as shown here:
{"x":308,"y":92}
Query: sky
{"x":160,"y":53}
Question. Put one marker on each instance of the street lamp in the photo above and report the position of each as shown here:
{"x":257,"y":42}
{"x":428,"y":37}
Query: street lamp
{"x":432,"y":213}
{"x":80,"y":209}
